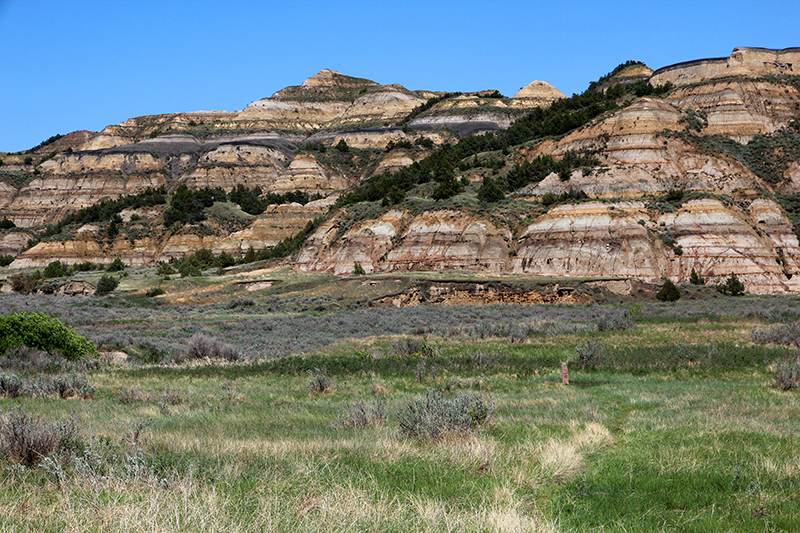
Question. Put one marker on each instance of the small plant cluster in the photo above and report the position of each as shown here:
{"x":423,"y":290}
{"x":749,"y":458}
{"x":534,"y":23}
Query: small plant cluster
{"x":202,"y":346}
{"x":410,"y":346}
{"x":550,"y":199}
{"x":27,"y":439}
{"x":731,"y":287}
{"x":423,"y":142}
{"x":106,"y":285}
{"x":318,"y":382}
{"x":241,"y":302}
{"x":38,"y":330}
{"x":434,"y":417}
{"x":108,"y":210}
{"x":787,"y":374}
{"x":57,"y":269}
{"x":669,"y":240}
{"x":360,"y":415}
{"x":284,"y":248}
{"x":100,"y":461}
{"x":696,"y":279}
{"x":589,"y":354}
{"x":668,"y":292}
{"x":768,"y":156}
{"x":192,"y":265}
{"x":64,"y":386}
{"x":255,"y":202}
{"x":358,"y":270}
{"x":186,"y":206}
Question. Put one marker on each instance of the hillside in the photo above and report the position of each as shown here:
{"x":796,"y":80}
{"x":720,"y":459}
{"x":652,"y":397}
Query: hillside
{"x":645,"y":175}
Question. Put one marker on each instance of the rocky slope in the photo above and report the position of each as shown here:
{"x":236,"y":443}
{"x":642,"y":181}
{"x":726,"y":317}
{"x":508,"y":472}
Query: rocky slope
{"x":645,"y":150}
{"x":673,"y":184}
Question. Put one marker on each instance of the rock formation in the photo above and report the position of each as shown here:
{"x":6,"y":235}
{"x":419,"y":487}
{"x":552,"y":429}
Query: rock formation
{"x":672,"y":185}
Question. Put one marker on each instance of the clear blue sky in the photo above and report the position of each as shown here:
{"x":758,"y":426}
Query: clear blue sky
{"x":68,"y":65}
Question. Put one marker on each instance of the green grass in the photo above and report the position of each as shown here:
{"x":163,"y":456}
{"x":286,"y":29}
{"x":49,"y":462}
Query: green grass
{"x":624,"y":454}
{"x":678,"y":429}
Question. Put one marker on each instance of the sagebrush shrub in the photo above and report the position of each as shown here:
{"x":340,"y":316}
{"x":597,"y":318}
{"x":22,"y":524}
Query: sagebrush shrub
{"x":433,"y":417}
{"x":412,"y":346}
{"x":10,"y":385}
{"x":318,"y":382}
{"x":28,"y":440}
{"x":787,"y":374}
{"x":60,"y":386}
{"x":241,"y":302}
{"x":360,"y":415}
{"x":589,"y":354}
{"x":786,"y":335}
{"x":202,"y":345}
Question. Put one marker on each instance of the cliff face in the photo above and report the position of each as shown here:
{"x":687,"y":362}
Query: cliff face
{"x":400,"y":241}
{"x":258,"y":146}
{"x":727,"y":217}
{"x":645,"y":150}
{"x":749,"y":62}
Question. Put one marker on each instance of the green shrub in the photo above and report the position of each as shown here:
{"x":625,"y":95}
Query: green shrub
{"x":358,"y":270}
{"x":55,"y":269}
{"x":154,"y":291}
{"x":224,"y":260}
{"x":696,"y":279}
{"x":106,"y":285}
{"x":164,"y":269}
{"x":490,"y":191}
{"x":38,"y":330}
{"x":6,"y":260}
{"x":86,"y":266}
{"x":7,"y":224}
{"x":668,"y":292}
{"x":731,"y":287}
{"x":116,"y":266}
{"x":189,"y":270}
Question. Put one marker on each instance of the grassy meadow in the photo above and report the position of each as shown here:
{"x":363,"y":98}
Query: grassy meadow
{"x":673,"y":424}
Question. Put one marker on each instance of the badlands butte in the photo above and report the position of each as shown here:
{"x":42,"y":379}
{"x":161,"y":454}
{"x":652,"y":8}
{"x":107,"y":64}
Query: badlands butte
{"x":647,"y":174}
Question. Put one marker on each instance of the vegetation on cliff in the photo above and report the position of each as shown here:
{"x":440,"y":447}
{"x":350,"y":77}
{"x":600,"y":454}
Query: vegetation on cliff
{"x":561,"y":117}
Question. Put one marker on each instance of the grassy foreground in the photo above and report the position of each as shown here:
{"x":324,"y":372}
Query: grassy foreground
{"x":678,"y":429}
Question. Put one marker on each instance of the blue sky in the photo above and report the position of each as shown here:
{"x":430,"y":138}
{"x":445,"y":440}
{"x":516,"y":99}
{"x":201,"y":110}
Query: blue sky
{"x":68,"y":65}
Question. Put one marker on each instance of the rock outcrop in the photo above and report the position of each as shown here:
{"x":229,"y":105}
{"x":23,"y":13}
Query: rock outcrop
{"x":722,"y":218}
{"x":536,"y":94}
{"x":400,"y":241}
{"x":748,"y":62}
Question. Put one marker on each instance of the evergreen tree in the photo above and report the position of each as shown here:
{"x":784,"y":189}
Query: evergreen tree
{"x":732,"y":286}
{"x":696,"y":279}
{"x":490,"y":191}
{"x":668,"y":292}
